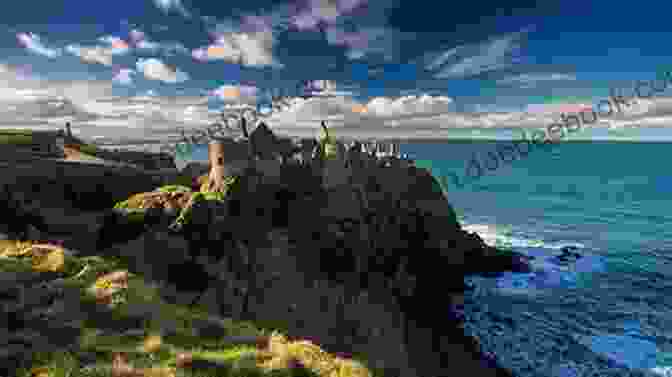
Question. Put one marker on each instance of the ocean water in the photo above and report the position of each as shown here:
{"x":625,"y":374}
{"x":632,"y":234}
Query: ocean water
{"x":608,"y":313}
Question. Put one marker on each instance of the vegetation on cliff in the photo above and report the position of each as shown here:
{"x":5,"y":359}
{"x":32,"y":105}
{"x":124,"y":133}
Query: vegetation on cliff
{"x":273,"y":245}
{"x":168,"y":340}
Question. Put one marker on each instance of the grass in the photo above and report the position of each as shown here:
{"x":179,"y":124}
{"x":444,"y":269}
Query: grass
{"x":15,"y":131}
{"x":103,"y":334}
{"x":17,"y":139}
{"x":89,"y":149}
{"x":25,"y":137}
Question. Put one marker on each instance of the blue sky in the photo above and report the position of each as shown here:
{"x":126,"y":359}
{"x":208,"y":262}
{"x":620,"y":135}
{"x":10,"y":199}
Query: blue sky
{"x":463,"y":59}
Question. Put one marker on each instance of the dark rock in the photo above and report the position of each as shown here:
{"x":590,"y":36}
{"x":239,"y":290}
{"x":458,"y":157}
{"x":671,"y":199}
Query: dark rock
{"x":281,"y":242}
{"x":116,"y":228}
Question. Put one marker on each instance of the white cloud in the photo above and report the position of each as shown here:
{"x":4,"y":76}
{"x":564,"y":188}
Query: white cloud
{"x":474,"y":59}
{"x":31,"y":102}
{"x":531,"y":79}
{"x":168,"y":5}
{"x":95,"y":54}
{"x":155,"y":69}
{"x":101,"y":54}
{"x":250,"y":49}
{"x":33,"y":43}
{"x":378,"y":113}
{"x":236,"y":93}
{"x":409,"y":105}
{"x":33,"y":99}
{"x":418,"y":115}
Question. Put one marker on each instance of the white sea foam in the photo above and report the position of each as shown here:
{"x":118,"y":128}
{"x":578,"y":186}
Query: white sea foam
{"x":503,"y":236}
{"x":662,"y":371}
{"x":547,"y":270}
{"x":631,"y":349}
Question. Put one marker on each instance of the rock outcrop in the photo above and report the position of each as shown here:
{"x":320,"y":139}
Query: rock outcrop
{"x":367,"y":265}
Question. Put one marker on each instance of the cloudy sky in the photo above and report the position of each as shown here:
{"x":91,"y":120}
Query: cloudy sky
{"x":134,"y":68}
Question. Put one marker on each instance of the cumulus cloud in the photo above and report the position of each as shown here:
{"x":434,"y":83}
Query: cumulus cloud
{"x":408,"y":105}
{"x":31,"y":99}
{"x":251,"y":49}
{"x":155,"y":69}
{"x":417,"y":115}
{"x":95,"y":54}
{"x":236,"y":93}
{"x":33,"y":43}
{"x":473,"y":59}
{"x":111,"y":46}
{"x":250,"y":41}
{"x":101,"y":54}
{"x":95,"y":111}
{"x":378,"y":113}
{"x":37,"y":103}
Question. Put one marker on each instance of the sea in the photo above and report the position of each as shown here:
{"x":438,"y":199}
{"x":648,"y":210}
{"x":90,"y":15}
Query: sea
{"x":605,"y":195}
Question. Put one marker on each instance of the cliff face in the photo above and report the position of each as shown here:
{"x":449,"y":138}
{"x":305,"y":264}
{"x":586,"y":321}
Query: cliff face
{"x":80,"y":185}
{"x":367,"y":267}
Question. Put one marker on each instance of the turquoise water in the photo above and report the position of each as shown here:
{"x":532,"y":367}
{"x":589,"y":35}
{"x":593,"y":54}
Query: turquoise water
{"x":608,"y":313}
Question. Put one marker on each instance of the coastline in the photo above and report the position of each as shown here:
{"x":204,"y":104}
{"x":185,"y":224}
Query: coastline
{"x":445,"y":244}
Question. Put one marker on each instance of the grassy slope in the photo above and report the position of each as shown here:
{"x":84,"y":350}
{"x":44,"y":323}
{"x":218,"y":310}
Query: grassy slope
{"x":17,"y":139}
{"x":223,"y":358}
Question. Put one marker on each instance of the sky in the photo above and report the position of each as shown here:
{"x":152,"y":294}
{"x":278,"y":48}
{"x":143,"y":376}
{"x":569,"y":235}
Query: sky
{"x":127,"y":69}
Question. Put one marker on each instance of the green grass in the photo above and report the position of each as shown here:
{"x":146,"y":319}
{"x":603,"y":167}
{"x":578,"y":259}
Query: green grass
{"x":18,"y":139}
{"x":89,"y":149}
{"x":102,"y":332}
{"x":15,"y":131}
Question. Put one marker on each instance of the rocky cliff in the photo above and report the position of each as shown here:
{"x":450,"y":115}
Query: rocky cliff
{"x":369,"y":267}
